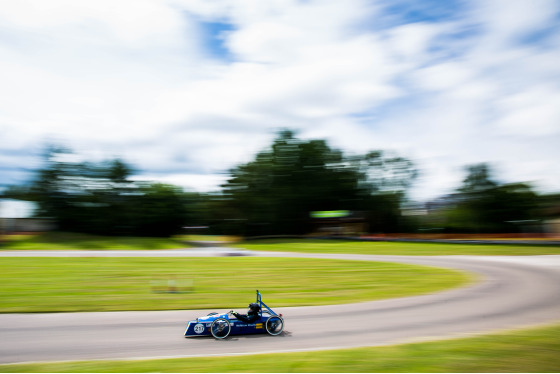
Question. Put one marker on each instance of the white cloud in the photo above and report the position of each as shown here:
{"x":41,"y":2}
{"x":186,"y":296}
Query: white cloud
{"x":504,"y":22}
{"x":443,"y":77}
{"x":191,"y":182}
{"x":533,"y":112}
{"x":411,"y":42}
{"x":135,"y":79}
{"x":134,"y":23}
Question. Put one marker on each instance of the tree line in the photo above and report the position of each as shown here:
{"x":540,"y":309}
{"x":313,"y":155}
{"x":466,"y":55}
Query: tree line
{"x":271,"y":195}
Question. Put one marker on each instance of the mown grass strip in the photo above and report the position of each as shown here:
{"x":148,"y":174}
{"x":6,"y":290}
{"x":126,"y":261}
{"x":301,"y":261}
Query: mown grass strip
{"x":524,"y":351}
{"x":46,"y":284}
{"x":66,"y":241}
{"x":394,"y":248}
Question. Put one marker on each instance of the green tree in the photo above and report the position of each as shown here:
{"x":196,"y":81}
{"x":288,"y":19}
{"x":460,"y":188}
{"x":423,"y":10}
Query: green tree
{"x":158,"y":209}
{"x":98,"y":198}
{"x":386,"y":172}
{"x":485,"y":205}
{"x":118,"y":171}
{"x":275,"y":193}
{"x":478,"y":179}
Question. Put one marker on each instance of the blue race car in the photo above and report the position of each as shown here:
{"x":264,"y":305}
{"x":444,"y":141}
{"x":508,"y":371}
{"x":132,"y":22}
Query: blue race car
{"x":220,"y":326}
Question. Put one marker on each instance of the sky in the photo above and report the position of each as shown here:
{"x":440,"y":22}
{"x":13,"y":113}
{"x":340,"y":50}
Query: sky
{"x":184,"y":90}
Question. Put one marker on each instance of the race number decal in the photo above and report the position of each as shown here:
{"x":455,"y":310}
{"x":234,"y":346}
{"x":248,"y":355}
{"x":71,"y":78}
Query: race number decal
{"x":199,"y":328}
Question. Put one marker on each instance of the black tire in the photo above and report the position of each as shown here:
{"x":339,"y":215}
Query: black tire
{"x":220,"y":328}
{"x":274,"y":325}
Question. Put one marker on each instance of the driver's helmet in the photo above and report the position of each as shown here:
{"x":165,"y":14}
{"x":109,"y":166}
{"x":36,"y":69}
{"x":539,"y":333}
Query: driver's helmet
{"x":254,"y":307}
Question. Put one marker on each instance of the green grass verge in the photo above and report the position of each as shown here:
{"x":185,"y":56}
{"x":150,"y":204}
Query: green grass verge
{"x":525,"y":351}
{"x":46,"y":284}
{"x":65,"y":240}
{"x":393,"y":248}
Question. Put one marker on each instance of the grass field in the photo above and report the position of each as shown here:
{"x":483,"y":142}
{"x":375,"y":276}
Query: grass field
{"x":522,"y":351}
{"x":65,"y":240}
{"x":394,"y":248}
{"x":104,"y":284}
{"x":46,"y":284}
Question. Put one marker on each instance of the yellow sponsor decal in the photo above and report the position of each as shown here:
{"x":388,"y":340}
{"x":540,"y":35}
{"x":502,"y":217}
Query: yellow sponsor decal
{"x":259,"y":326}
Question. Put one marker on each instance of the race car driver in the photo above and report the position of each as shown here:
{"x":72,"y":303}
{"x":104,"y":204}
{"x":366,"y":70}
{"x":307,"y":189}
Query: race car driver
{"x":251,"y":316}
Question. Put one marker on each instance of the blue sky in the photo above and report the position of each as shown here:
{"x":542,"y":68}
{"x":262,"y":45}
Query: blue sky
{"x":186,"y":89}
{"x":214,"y":35}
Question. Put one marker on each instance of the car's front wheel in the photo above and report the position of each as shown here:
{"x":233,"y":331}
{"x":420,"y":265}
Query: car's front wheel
{"x":274,"y":325}
{"x":220,"y":328}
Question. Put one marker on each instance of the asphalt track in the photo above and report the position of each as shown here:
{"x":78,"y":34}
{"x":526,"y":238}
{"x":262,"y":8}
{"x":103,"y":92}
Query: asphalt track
{"x":511,"y":292}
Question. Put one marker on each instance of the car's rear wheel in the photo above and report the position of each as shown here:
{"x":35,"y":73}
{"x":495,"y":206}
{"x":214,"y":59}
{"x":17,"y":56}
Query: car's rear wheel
{"x":274,"y":325}
{"x":220,"y":328}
